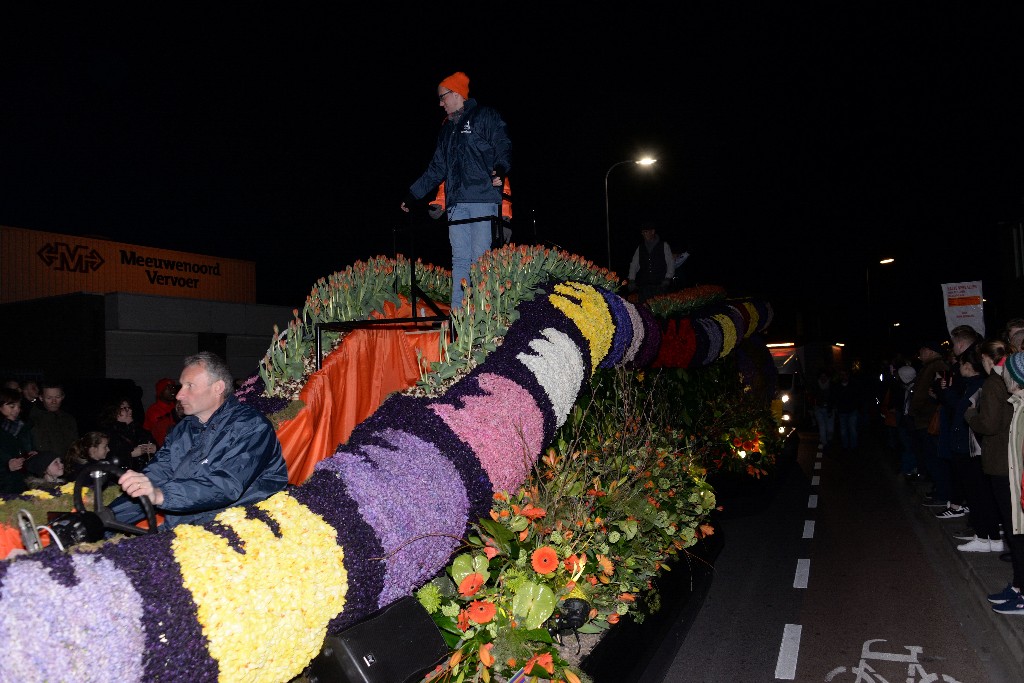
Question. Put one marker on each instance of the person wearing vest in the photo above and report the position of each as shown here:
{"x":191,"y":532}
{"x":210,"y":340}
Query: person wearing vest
{"x":437,"y":207}
{"x":653,"y":265}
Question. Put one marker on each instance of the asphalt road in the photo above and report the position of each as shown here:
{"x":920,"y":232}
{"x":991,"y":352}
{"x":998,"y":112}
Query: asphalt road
{"x":841,"y":571}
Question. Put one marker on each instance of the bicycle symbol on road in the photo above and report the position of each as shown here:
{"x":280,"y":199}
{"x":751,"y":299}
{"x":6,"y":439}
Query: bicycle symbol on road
{"x":866,"y":674}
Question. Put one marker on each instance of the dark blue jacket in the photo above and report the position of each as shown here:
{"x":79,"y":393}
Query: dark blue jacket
{"x":15,"y":439}
{"x":955,"y":401}
{"x":467,"y":151}
{"x":234,"y":459}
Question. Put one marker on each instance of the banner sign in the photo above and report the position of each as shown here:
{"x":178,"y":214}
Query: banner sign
{"x":37,"y":264}
{"x":964,"y":305}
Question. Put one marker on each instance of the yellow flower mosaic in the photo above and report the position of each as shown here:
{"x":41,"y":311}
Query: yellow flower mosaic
{"x":754,"y":318}
{"x":728,"y":333}
{"x":591,"y":315}
{"x":264,"y":612}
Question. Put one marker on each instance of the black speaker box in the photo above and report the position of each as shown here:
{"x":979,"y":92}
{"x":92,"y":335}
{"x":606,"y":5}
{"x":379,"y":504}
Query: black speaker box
{"x":397,"y":644}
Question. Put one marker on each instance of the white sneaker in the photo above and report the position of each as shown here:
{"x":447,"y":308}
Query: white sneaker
{"x":998,"y":546}
{"x":978,"y":545}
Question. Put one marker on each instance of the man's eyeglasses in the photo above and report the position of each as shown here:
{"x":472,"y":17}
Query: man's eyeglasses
{"x":440,"y":98}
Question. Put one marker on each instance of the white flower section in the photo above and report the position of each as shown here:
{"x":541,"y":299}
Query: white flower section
{"x":638,"y":334}
{"x":558,"y":367}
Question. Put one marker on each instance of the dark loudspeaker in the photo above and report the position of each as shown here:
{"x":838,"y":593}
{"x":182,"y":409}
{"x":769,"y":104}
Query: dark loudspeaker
{"x":397,"y":644}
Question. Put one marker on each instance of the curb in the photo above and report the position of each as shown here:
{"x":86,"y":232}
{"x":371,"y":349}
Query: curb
{"x":976,"y":576}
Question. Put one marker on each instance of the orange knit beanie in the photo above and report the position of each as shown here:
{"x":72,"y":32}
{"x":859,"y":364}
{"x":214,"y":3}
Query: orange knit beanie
{"x":457,"y":82}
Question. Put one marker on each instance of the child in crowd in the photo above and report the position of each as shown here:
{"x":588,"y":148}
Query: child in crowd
{"x":44,"y":469}
{"x":92,"y":447}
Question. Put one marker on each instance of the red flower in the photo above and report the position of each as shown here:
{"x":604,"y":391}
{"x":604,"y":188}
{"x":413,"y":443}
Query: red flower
{"x":544,"y":560}
{"x":481,"y":611}
{"x":544,"y":661}
{"x":471,"y":584}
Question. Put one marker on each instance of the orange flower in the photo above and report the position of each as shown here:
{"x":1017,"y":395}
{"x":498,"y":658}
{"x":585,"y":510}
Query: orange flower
{"x":490,"y":552}
{"x":531,"y":512}
{"x":471,"y":584}
{"x":570,"y":677}
{"x":627,"y":597}
{"x":486,"y":658}
{"x":544,"y":661}
{"x":500,"y":495}
{"x":544,"y":560}
{"x":481,"y":611}
{"x":456,"y":658}
{"x":571,"y":562}
{"x":463,"y":622}
{"x":606,"y":565}
{"x":524,"y":534}
{"x":613,"y":618}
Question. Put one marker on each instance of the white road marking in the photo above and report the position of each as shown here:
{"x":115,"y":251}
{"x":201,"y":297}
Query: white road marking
{"x":803,"y":569}
{"x":809,"y":528}
{"x":812,"y":500}
{"x":815,"y":480}
{"x":789,"y":652}
{"x":817,"y":465}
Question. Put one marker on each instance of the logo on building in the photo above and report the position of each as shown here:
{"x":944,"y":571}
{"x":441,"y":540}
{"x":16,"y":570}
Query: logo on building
{"x":77,"y":259}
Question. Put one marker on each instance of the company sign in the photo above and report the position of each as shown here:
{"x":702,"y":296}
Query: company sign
{"x":37,"y":264}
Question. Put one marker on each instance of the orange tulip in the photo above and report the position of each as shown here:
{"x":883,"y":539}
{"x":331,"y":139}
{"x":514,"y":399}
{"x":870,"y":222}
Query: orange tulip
{"x":486,"y":658}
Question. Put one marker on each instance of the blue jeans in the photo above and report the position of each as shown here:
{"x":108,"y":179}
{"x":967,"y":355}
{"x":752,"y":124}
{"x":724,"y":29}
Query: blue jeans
{"x":848,"y":429}
{"x":826,"y":419}
{"x":908,"y":458}
{"x":469,"y":241}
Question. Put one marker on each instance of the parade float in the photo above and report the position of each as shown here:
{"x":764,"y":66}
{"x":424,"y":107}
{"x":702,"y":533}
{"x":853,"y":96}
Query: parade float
{"x":551,"y":448}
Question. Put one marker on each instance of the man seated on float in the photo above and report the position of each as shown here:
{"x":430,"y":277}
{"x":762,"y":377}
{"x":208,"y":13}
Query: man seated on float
{"x":222,"y":454}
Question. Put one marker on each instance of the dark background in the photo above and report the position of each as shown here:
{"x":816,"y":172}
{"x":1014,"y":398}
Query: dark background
{"x":795,"y":144}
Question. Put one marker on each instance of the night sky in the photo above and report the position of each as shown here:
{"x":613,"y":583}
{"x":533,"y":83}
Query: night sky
{"x":795,"y":145}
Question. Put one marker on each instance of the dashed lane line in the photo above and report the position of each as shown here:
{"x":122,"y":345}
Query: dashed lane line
{"x":789,"y":652}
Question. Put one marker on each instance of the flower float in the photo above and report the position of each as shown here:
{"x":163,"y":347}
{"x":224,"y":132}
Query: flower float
{"x":251,"y":595}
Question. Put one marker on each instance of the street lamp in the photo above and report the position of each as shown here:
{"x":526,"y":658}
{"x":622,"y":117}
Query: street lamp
{"x":867,"y":275}
{"x":867,"y":287}
{"x":646,"y":161}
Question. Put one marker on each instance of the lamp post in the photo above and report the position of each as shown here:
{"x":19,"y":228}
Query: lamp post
{"x":867,"y":287}
{"x":867,"y":275}
{"x":646,"y":161}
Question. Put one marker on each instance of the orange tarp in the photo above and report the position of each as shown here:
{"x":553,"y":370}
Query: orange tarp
{"x":352,"y":382}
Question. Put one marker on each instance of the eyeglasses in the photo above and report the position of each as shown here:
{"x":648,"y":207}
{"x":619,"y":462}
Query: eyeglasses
{"x":440,"y":98}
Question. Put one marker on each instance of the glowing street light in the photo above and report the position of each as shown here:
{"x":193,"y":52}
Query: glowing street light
{"x":646,"y":161}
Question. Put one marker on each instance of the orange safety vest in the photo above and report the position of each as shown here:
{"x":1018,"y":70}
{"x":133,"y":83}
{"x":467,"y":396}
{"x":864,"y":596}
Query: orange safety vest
{"x":506,"y":199}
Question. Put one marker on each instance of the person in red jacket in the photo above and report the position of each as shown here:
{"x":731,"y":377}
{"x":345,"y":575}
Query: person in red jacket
{"x":160,"y":417}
